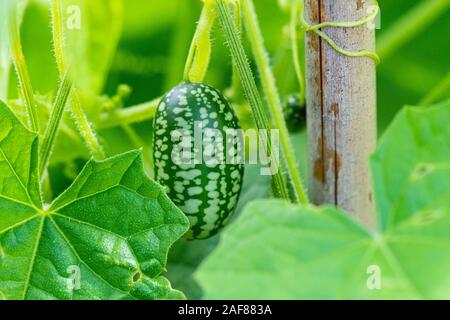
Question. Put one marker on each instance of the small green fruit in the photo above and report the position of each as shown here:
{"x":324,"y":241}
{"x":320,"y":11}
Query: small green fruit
{"x":200,"y":181}
{"x":294,"y":113}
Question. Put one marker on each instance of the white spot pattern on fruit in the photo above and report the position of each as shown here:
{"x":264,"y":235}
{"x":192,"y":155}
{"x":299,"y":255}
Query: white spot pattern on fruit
{"x":206,"y":192}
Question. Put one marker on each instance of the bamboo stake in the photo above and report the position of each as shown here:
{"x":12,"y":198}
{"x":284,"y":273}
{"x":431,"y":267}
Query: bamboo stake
{"x":341,"y":94}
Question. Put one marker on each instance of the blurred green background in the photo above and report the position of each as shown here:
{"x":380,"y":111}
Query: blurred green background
{"x":156,"y":36}
{"x":149,"y":55}
{"x":144,"y":44}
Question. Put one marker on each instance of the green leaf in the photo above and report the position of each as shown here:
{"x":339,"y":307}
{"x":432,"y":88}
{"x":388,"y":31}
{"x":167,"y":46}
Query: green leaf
{"x":69,"y":145}
{"x":278,"y":251}
{"x":19,"y":182}
{"x":416,"y":141}
{"x":113,"y":225}
{"x":186,"y":256}
{"x":184,"y":259}
{"x":255,"y":186}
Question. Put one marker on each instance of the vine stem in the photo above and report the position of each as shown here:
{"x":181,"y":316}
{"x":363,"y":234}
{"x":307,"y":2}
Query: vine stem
{"x":54,"y":122}
{"x":345,"y":24}
{"x":410,"y":25}
{"x":20,"y":65}
{"x":139,"y":113}
{"x":250,"y":88}
{"x":274,"y":101}
{"x":200,"y":51}
{"x":234,"y":92}
{"x":294,"y":36}
{"x":84,"y":127}
{"x":342,"y":24}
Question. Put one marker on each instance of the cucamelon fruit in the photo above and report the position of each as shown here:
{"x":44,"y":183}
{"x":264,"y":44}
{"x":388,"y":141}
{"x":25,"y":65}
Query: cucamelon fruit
{"x":294,"y":113}
{"x":201,"y":182}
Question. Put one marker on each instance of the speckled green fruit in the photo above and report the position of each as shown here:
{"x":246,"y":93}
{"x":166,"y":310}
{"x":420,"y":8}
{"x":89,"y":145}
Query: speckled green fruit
{"x":294,"y":113}
{"x":205,"y":181}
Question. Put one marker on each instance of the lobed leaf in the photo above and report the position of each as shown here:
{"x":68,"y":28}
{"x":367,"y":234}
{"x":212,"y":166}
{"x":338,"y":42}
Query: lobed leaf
{"x":416,"y":141}
{"x":106,"y":237}
{"x":279,"y":251}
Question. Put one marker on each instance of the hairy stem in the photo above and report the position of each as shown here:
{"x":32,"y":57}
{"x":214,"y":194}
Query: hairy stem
{"x":200,"y":51}
{"x":234,"y":93}
{"x":84,"y":127}
{"x":22,"y":72}
{"x":295,"y":12}
{"x":410,"y":24}
{"x":250,"y":88}
{"x":273,"y":98}
{"x":54,"y":122}
{"x":58,"y":35}
{"x":130,"y":115}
